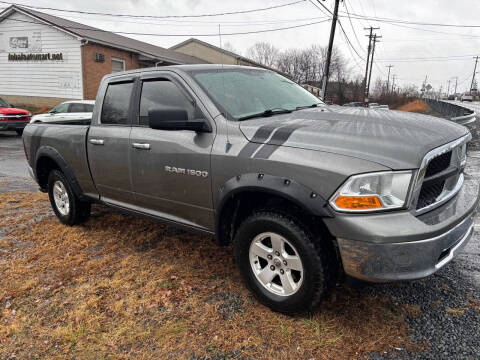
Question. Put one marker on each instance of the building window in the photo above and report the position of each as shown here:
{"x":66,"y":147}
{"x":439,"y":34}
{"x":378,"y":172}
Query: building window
{"x":99,"y":57}
{"x":118,"y":65}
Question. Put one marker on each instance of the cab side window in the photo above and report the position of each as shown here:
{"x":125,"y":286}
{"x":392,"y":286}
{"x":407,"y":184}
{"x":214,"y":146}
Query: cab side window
{"x":116,"y":105}
{"x":158,"y":94}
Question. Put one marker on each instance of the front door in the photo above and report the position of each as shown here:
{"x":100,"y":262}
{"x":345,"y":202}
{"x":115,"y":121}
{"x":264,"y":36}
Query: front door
{"x":171,"y":169}
{"x":109,"y":148}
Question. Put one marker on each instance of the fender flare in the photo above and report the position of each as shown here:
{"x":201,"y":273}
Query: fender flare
{"x":302,"y":196}
{"x":53,"y":154}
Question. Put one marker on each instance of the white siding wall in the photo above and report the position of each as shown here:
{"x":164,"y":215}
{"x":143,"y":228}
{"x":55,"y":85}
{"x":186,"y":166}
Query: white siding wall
{"x":61,"y":79}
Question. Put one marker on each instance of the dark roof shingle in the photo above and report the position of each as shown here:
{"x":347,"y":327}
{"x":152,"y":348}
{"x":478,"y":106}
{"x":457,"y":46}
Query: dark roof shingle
{"x":108,"y":38}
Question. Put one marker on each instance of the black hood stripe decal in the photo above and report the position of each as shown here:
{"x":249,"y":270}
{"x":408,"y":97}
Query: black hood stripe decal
{"x":277,"y":140}
{"x":260,"y":136}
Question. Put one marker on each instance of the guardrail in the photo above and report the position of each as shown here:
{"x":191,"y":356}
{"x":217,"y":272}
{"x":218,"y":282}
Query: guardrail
{"x":456,"y":113}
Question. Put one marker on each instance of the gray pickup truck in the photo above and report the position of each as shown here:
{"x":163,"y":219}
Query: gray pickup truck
{"x":304,"y":192}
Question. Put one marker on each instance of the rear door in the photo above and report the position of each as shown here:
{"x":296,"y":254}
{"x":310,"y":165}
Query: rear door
{"x":108,"y":144}
{"x":170,"y":168}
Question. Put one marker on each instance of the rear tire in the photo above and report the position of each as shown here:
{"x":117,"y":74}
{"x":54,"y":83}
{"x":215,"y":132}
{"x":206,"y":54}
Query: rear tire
{"x":69,"y":209}
{"x":19,"y":132}
{"x":283,"y":264}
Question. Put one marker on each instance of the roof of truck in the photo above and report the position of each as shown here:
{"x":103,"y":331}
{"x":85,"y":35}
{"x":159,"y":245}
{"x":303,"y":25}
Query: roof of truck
{"x":185,"y":68}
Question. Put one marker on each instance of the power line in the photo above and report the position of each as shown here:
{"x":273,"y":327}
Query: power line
{"x":434,"y":31}
{"x":326,"y":9}
{"x":351,"y":24}
{"x":190,"y":23}
{"x":351,"y":53}
{"x":401,"y":21}
{"x":154,"y":16}
{"x":432,"y":57}
{"x":327,"y":13}
{"x":349,"y":42}
{"x":184,"y":35}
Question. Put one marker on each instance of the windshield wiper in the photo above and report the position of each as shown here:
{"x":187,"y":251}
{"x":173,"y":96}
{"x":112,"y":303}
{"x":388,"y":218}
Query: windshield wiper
{"x":266,"y":113}
{"x":307,"y":106}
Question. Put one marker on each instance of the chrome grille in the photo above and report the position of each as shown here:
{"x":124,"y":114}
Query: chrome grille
{"x":440,"y":176}
{"x":439,"y":164}
{"x":429,"y":194}
{"x":19,"y":117}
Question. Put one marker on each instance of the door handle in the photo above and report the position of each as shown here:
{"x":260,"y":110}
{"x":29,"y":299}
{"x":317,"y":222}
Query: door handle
{"x":97,"y":141}
{"x":141,"y":146}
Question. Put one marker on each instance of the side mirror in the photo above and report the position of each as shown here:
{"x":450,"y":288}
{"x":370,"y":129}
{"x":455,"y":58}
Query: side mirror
{"x":175,"y":119}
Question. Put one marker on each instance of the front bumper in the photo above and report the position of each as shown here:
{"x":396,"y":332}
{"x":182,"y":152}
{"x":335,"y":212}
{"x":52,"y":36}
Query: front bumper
{"x":401,"y":246}
{"x":12,"y":125}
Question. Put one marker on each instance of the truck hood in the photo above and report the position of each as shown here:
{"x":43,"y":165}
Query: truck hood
{"x":8,"y":111}
{"x":396,"y":139}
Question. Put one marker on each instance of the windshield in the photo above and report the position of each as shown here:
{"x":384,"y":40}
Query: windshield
{"x":3,"y":103}
{"x":241,"y":93}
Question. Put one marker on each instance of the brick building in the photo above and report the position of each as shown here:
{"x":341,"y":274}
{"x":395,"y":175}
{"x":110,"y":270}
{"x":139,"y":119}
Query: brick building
{"x":45,"y":59}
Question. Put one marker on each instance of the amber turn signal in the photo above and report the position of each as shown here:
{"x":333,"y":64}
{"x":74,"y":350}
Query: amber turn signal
{"x":358,"y":202}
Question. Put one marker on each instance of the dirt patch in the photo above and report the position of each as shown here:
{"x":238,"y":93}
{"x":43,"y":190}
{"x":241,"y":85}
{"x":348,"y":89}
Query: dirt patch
{"x":120,"y":287}
{"x":418,"y":106}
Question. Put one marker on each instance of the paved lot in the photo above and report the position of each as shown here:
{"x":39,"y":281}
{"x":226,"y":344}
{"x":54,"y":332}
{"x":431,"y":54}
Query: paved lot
{"x":13,"y":165}
{"x":444,"y":309}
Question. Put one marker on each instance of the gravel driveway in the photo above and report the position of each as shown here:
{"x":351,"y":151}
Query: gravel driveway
{"x":444,"y":309}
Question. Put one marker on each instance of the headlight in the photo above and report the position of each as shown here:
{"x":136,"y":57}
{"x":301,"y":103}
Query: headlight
{"x":372,"y":192}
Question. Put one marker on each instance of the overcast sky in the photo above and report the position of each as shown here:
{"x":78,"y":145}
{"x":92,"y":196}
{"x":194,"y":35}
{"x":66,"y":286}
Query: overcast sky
{"x":399,"y":44}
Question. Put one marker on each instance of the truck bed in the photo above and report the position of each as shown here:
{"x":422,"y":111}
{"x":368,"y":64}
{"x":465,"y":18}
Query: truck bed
{"x":69,"y":140}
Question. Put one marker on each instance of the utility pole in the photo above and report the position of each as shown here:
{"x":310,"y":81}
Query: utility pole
{"x":330,"y":48}
{"x":456,"y":80}
{"x":393,"y":82}
{"x":474,"y":71}
{"x":448,"y":89}
{"x":375,"y":37}
{"x":388,"y":78}
{"x":370,"y":37}
{"x":424,"y":86}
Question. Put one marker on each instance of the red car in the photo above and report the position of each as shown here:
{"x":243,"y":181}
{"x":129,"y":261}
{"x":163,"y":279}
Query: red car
{"x":12,"y":118}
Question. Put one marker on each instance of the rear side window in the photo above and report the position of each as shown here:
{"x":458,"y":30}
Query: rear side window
{"x":88,"y":107}
{"x":116,"y":104}
{"x":76,"y":108}
{"x":159,"y":94}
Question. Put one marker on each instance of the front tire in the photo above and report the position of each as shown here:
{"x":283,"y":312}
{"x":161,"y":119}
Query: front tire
{"x":69,"y":209}
{"x":19,"y":132}
{"x":283,"y":264}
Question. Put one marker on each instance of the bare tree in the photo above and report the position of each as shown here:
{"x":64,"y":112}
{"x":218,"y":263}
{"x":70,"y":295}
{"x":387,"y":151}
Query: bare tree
{"x":307,"y":65}
{"x":263,"y":53}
